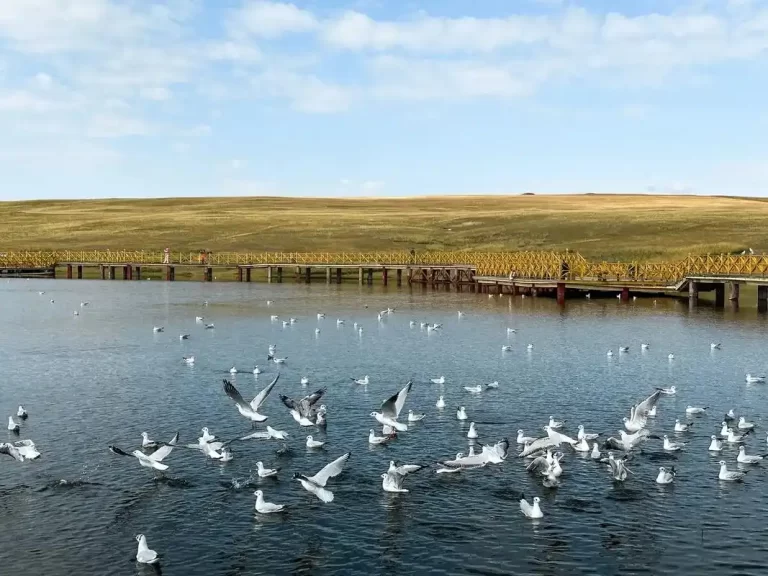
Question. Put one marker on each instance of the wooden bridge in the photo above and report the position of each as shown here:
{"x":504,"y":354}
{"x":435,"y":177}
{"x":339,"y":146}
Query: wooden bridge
{"x":561,"y":274}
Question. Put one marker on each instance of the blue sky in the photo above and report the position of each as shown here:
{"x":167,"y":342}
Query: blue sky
{"x":127,"y":98}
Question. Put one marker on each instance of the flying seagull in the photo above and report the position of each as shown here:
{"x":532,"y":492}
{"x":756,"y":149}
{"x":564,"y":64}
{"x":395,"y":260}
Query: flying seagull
{"x":392,"y":479}
{"x":316,"y":484}
{"x":390,"y":409}
{"x":303,"y":410}
{"x":153,"y":460}
{"x":250,"y":411}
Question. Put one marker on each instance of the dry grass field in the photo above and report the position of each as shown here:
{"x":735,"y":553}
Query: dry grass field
{"x":608,"y":227}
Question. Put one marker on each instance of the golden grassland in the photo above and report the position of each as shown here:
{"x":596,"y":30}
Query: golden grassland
{"x":610,"y":227}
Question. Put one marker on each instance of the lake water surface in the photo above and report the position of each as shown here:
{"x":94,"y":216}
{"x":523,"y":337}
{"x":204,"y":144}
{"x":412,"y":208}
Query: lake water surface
{"x":103,"y":377}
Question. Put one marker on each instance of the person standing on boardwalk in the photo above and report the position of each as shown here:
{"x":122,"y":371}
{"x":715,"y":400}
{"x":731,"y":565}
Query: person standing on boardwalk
{"x":167,"y":256}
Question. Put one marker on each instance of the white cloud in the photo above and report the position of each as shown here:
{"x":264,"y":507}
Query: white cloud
{"x":306,"y":93}
{"x":270,"y":19}
{"x":24,"y":101}
{"x":114,"y":126}
{"x":43,"y":81}
{"x":234,"y":51}
{"x":245,"y":187}
{"x":157,"y":93}
{"x":372,"y":186}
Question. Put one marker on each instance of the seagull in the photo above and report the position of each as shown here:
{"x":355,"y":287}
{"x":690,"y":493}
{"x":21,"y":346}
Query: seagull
{"x":339,"y":322}
{"x":199,"y":319}
{"x":734,"y":438}
{"x":285,"y":323}
{"x":506,"y":348}
{"x":671,"y":391}
{"x":492,"y":385}
{"x":474,"y":389}
{"x":696,"y":410}
{"x":11,"y":450}
{"x":582,"y":446}
{"x":523,"y":439}
{"x":412,"y":324}
{"x":554,"y":424}
{"x":84,"y":304}
{"x":530,"y":346}
{"x":266,"y":472}
{"x":250,"y":411}
{"x":303,"y":410}
{"x":440,"y":404}
{"x":293,"y":320}
{"x":157,"y":329}
{"x":665,"y":476}
{"x":461,"y":314}
{"x":672,"y":446}
{"x":617,"y":468}
{"x":559,"y":438}
{"x":316,"y":484}
{"x":27,"y":449}
{"x":312,"y":443}
{"x":595,"y":454}
{"x":680,"y":427}
{"x":413,"y":417}
{"x":361,"y":381}
{"x":233,"y":370}
{"x":645,"y":346}
{"x":744,"y":458}
{"x":146,"y":443}
{"x":269,"y":302}
{"x":144,"y":555}
{"x":226,"y":455}
{"x":374,"y":440}
{"x":671,"y":356}
{"x":263,"y":507}
{"x":206,"y":436}
{"x":304,"y":380}
{"x":256,"y":370}
{"x":715,"y":445}
{"x":531,"y":511}
{"x":755,"y":379}
{"x":317,"y":331}
{"x":188,"y":359}
{"x":274,"y":318}
{"x":623,"y":349}
{"x":320,"y":316}
{"x":209,"y":326}
{"x":440,"y":380}
{"x":729,"y":476}
{"x":392,"y":479}
{"x":743,"y":424}
{"x":609,"y":353}
{"x":714,"y":346}
{"x":730,"y":416}
{"x":183,"y":336}
{"x":76,"y":313}
{"x":461,"y":413}
{"x":13,"y":426}
{"x":724,"y":430}
{"x":583,"y":434}
{"x":153,"y":460}
{"x":391,"y":407}
{"x":511,"y":331}
{"x":21,"y":413}
{"x":472,"y":434}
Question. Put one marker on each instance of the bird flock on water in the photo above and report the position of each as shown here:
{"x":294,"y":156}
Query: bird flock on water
{"x":544,"y":455}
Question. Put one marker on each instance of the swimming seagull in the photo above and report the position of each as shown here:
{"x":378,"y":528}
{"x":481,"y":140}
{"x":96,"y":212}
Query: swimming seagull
{"x":755,"y":379}
{"x":511,"y":330}
{"x":492,"y":385}
{"x":209,"y":326}
{"x":609,"y":353}
{"x":531,"y":511}
{"x":21,"y":413}
{"x":680,"y":427}
{"x":618,"y":468}
{"x":559,"y":438}
{"x":303,"y":410}
{"x":729,"y":476}
{"x":714,"y":346}
{"x":530,"y":346}
{"x":584,"y":435}
{"x":582,"y":446}
{"x":263,"y":507}
{"x":666,"y":476}
{"x":734,"y":438}
{"x":312,"y":443}
{"x":623,"y":349}
{"x":266,"y":472}
{"x":392,"y":479}
{"x":391,"y":407}
{"x":743,"y":424}
{"x":12,"y":425}
{"x":715,"y":445}
{"x":645,"y":346}
{"x":595,"y":454}
{"x":506,"y":348}
{"x":157,"y":329}
{"x":472,"y":434}
{"x":274,"y":318}
{"x":320,"y":316}
{"x":206,"y":436}
{"x":696,"y":410}
{"x":183,"y":336}
{"x":414,"y":417}
{"x":671,"y":356}
{"x":144,"y":555}
{"x":153,"y":460}
{"x":521,"y":439}
{"x":233,"y":370}
{"x":554,"y":424}
{"x":474,"y":389}
{"x":440,"y":380}
{"x":199,"y":319}
{"x":189,"y":359}
{"x":374,"y":440}
{"x":461,"y":413}
{"x":256,"y":370}
{"x":672,"y":446}
{"x":440,"y":404}
{"x":316,"y":484}
{"x":250,"y":410}
{"x":671,"y":391}
{"x":27,"y":449}
{"x":304,"y":380}
{"x":744,"y":458}
{"x":361,"y":381}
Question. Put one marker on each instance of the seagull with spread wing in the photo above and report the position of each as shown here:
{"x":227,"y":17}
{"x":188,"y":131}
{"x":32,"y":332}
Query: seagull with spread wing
{"x":316,"y":484}
{"x":250,"y":410}
{"x":391,"y":408}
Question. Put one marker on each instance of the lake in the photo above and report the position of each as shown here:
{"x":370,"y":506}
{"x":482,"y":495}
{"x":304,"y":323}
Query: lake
{"x":103,"y":377}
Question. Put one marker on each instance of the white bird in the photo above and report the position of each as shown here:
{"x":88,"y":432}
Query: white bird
{"x":84,"y":304}
{"x":672,"y":446}
{"x":412,"y":324}
{"x":743,"y":424}
{"x":354,"y":325}
{"x":474,"y":389}
{"x":413,"y":417}
{"x":440,"y":380}
{"x":285,"y":323}
{"x":76,"y":313}
{"x":671,"y":356}
{"x":274,"y":318}
{"x":506,"y":348}
{"x":265,"y":472}
{"x":729,"y":476}
{"x":144,"y":555}
{"x":189,"y":359}
{"x":320,"y":316}
{"x":696,"y":410}
{"x":609,"y":353}
{"x":233,"y":370}
{"x":461,"y":413}
{"x":440,"y":404}
{"x":554,"y":424}
{"x":645,"y":346}
{"x":183,"y":336}
{"x":744,"y":458}
{"x":374,"y":440}
{"x":461,"y":314}
{"x":724,"y":430}
{"x":492,"y":385}
{"x":559,"y":438}
{"x":680,"y":427}
{"x":157,"y":329}
{"x":317,"y":331}
{"x":256,"y":370}
{"x":671,"y":391}
{"x":665,"y":476}
{"x":199,"y":319}
{"x":263,"y":507}
{"x":21,"y":413}
{"x":714,"y":346}
{"x":153,"y":460}
{"x":210,"y":326}
{"x":362,"y":381}
{"x":226,"y":455}
{"x":392,"y":479}
{"x":312,"y":443}
{"x":146,"y":443}
{"x":269,"y":302}
{"x":521,"y":439}
{"x":584,"y":435}
{"x":391,"y":408}
{"x":511,"y":331}
{"x":12,"y":451}
{"x":206,"y":436}
{"x":250,"y":410}
{"x":12,"y":425}
{"x":734,"y":438}
{"x":27,"y":449}
{"x":530,"y":346}
{"x":595,"y":454}
{"x":582,"y":446}
{"x":755,"y":379}
{"x":339,"y":322}
{"x":472,"y":434}
{"x":715,"y":445}
{"x":304,"y":380}
{"x":531,"y":511}
{"x":623,"y":349}
{"x":293,"y":320}
{"x":316,"y":484}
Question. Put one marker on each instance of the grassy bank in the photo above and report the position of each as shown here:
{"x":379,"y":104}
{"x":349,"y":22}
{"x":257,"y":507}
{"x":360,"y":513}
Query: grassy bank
{"x":599,"y":226}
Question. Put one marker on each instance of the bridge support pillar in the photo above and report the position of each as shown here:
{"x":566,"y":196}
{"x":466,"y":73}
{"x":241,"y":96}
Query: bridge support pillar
{"x":338,"y":275}
{"x":561,"y":293}
{"x":384,"y":276}
{"x":298,"y":273}
{"x":170,"y":273}
{"x":269,"y":274}
{"x":239,"y":274}
{"x":693,"y":294}
{"x":69,"y":271}
{"x":247,"y":274}
{"x":111,"y":272}
{"x":734,"y":297}
{"x":360,"y":276}
{"x":279,"y":274}
{"x":399,"y":275}
{"x":410,"y":276}
{"x":328,"y":275}
{"x":79,"y":271}
{"x":308,"y":274}
{"x":625,"y":294}
{"x":138,"y":273}
{"x":762,"y":298}
{"x":370,"y":276}
{"x":719,"y":295}
{"x":128,"y":272}
{"x":208,"y":274}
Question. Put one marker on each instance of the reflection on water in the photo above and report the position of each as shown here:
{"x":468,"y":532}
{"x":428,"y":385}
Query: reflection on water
{"x":104,"y":377}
